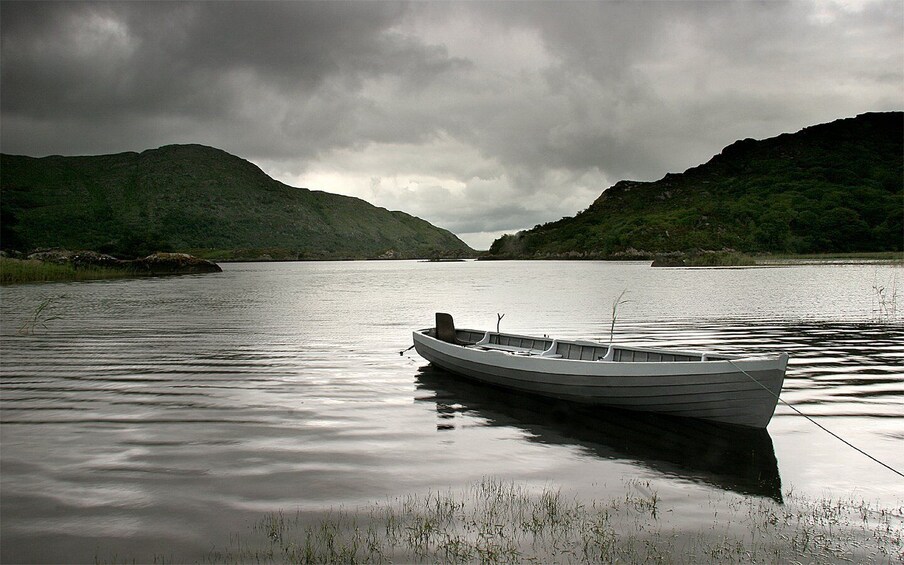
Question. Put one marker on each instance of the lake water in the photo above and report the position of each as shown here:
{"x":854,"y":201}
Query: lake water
{"x":159,"y":415}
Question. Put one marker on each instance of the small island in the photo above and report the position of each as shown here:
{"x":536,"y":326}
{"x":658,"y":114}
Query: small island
{"x":64,"y":265}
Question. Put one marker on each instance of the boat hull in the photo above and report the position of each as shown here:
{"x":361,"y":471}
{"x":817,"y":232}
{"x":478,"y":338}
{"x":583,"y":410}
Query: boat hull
{"x":741,"y":391}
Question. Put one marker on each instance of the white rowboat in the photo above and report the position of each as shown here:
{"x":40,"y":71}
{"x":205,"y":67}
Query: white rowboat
{"x":741,"y":390}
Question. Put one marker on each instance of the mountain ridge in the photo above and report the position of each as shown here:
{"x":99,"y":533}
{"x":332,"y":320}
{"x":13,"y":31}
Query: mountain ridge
{"x":201,"y":200}
{"x":833,"y":187}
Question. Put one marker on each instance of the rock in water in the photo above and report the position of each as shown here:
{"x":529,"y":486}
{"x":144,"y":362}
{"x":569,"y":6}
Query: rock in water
{"x":172,"y":264}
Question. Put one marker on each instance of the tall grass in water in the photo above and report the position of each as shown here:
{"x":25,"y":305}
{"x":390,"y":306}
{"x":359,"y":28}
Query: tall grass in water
{"x":615,"y":304}
{"x":17,"y":271}
{"x":42,"y":314}
{"x":496,"y":521}
{"x":885,"y":299}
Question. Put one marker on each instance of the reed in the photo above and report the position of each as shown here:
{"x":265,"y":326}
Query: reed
{"x":615,"y":304}
{"x":885,"y":300}
{"x":42,"y":314}
{"x":495,"y":521}
{"x":18,"y":271}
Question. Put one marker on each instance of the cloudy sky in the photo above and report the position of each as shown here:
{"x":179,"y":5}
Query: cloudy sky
{"x":480,"y":117}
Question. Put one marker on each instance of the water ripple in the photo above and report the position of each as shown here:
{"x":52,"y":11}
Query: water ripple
{"x":201,"y":401}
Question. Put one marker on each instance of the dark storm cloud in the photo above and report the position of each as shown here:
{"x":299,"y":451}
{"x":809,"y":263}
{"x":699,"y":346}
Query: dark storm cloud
{"x":478,"y":116}
{"x":189,"y":67}
{"x":649,"y":87}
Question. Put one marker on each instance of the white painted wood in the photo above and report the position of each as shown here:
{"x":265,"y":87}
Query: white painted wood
{"x":730,"y":389}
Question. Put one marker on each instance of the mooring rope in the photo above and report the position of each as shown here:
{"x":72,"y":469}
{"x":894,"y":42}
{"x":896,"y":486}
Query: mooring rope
{"x":817,"y":424}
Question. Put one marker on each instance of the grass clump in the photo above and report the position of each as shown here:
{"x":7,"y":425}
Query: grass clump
{"x":496,"y":521}
{"x":727,"y":259}
{"x":894,"y":257}
{"x":17,"y":271}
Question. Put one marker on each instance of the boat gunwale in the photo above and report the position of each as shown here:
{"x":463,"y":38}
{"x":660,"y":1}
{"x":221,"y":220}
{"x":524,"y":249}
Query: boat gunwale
{"x":716,"y":359}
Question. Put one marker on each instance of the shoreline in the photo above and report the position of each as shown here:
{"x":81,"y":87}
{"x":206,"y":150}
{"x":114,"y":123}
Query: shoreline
{"x":711,"y":258}
{"x":25,"y":271}
{"x":501,"y":521}
{"x":67,"y":266}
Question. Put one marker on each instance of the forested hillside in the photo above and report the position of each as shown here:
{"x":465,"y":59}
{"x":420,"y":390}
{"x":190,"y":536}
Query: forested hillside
{"x":836,"y":187}
{"x":200,"y":200}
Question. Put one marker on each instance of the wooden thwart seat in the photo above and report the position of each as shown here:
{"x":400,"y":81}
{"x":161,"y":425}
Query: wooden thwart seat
{"x":509,"y":348}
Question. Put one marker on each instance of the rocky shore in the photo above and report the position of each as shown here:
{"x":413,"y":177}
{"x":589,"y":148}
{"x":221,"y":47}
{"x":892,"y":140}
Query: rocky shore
{"x":153,"y":265}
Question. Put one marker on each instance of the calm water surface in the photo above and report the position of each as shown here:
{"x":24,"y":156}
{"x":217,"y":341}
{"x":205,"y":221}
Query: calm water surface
{"x":157,"y":416}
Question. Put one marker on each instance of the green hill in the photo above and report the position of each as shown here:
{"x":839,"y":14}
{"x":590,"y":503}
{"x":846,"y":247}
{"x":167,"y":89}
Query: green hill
{"x":834,"y":187}
{"x":200,"y":200}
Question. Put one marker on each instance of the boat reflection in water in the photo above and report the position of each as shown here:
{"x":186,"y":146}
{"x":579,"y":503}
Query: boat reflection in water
{"x":728,"y":457}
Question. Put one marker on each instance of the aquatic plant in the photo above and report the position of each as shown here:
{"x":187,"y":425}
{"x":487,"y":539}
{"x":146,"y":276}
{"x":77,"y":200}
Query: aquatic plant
{"x":18,"y":271}
{"x":615,"y":304}
{"x":42,"y":314}
{"x":496,"y":521}
{"x":885,"y":300}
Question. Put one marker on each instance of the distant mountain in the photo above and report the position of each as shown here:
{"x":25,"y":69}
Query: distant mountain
{"x":834,"y":187}
{"x":200,"y":200}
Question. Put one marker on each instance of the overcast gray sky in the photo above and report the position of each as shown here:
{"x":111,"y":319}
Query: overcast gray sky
{"x":480,"y":117}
